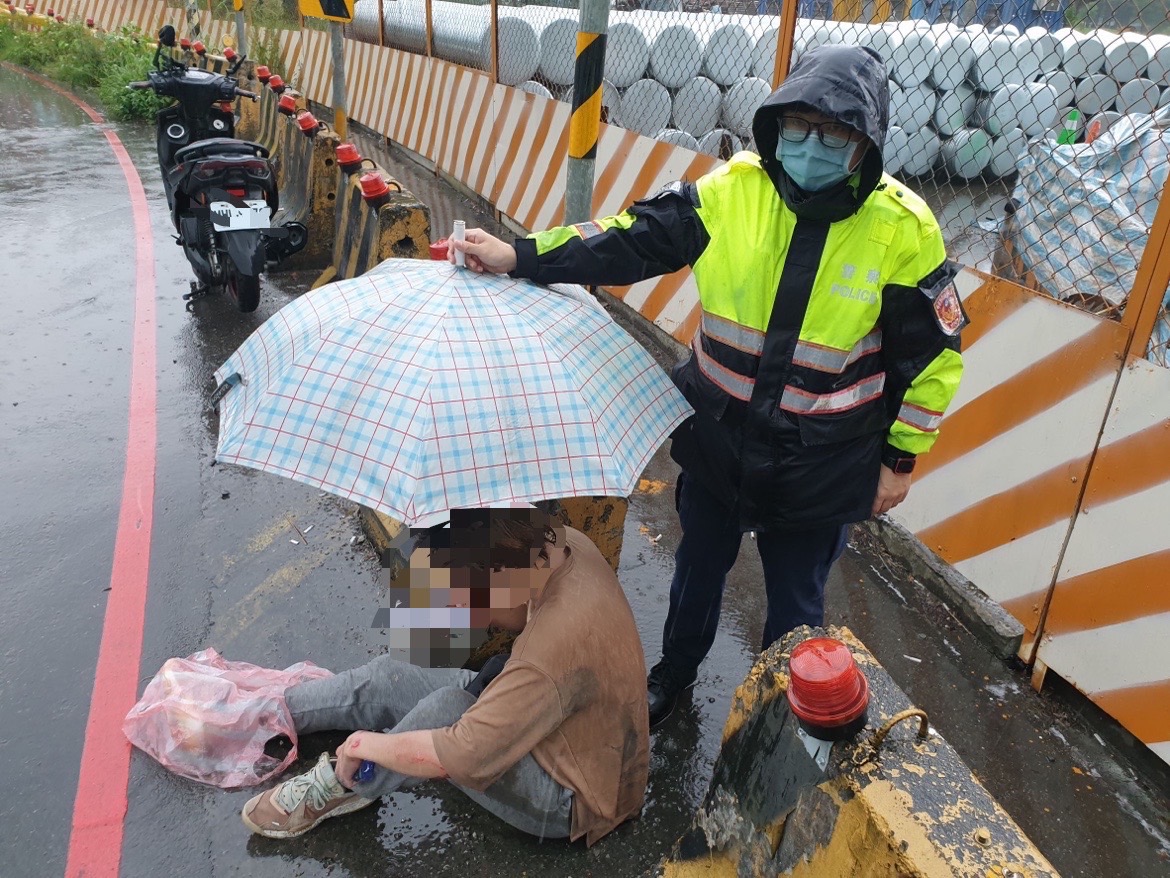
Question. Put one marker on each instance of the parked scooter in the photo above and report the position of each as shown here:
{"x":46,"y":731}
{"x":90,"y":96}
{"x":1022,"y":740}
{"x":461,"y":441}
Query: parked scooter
{"x":221,"y":190}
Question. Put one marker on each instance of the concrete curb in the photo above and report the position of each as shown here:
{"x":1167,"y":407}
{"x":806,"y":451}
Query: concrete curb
{"x":903,"y":804}
{"x":990,"y":622}
{"x":365,"y":236}
{"x":380,"y":530}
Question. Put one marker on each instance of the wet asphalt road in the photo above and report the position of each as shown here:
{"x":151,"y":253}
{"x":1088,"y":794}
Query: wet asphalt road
{"x":225,"y":573}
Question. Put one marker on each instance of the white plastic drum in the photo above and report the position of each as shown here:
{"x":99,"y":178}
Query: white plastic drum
{"x":627,"y":54}
{"x":1139,"y":96}
{"x":558,"y":47}
{"x":896,"y":142}
{"x":720,"y":143}
{"x":967,"y":154}
{"x":727,"y":57}
{"x":677,"y":138}
{"x":913,"y":108}
{"x":697,"y":106}
{"x":920,"y":153}
{"x":1095,"y":93}
{"x":645,"y":107}
{"x":1159,"y":67}
{"x":912,"y":55}
{"x":1087,"y":56}
{"x":1006,"y":151}
{"x":1127,"y":57}
{"x":1064,"y":85}
{"x":676,"y":55}
{"x":995,"y":66}
{"x":997,"y":112}
{"x":535,"y":88}
{"x":741,"y":102}
{"x":954,"y":110}
{"x":955,"y":57}
{"x":1036,"y":108}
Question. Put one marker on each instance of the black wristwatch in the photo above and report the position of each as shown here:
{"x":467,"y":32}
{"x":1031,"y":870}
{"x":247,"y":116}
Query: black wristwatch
{"x":901,"y":462}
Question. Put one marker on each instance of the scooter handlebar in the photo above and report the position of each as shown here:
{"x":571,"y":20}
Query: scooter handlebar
{"x":247,"y":94}
{"x":139,"y":85}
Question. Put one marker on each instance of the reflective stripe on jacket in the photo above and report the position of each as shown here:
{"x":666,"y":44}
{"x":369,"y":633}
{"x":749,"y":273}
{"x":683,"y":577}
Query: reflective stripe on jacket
{"x":817,"y":344}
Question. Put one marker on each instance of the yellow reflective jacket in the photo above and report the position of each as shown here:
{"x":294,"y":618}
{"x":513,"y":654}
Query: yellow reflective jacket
{"x":821,"y":346}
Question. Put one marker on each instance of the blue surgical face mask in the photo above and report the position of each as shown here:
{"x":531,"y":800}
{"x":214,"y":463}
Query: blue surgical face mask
{"x":813,"y":166}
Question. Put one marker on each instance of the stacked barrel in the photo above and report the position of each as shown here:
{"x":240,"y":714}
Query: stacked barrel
{"x":964,"y":102}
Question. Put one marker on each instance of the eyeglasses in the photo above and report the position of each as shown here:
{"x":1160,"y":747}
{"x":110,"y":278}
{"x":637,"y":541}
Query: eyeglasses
{"x":834,"y":135}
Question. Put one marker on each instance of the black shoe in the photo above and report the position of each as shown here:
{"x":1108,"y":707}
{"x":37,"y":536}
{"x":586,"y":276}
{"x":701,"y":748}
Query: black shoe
{"x":664,"y":684}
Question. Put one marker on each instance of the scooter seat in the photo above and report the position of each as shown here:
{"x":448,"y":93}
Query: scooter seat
{"x":219,"y":146}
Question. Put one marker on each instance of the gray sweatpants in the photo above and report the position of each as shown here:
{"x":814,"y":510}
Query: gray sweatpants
{"x":396,"y":696}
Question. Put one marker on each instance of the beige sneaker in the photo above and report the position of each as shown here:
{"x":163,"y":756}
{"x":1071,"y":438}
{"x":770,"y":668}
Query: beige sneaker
{"x":299,"y":804}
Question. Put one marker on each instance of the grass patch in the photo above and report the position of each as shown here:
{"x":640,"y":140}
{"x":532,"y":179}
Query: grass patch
{"x":82,"y":59}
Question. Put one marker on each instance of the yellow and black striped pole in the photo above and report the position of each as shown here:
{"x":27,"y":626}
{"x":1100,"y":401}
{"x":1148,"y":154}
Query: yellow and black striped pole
{"x":241,"y":37}
{"x":585,"y":123}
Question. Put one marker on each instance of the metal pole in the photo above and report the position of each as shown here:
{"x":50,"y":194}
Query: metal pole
{"x":585,"y":123}
{"x":382,"y":23}
{"x":193,"y":30}
{"x":339,"y":116}
{"x":495,"y":41}
{"x":430,"y":29}
{"x":1153,"y":279}
{"x":241,"y":42}
{"x":785,"y":40}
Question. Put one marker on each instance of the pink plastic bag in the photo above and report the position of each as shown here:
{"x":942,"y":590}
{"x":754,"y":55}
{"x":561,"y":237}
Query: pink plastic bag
{"x":208,"y":719}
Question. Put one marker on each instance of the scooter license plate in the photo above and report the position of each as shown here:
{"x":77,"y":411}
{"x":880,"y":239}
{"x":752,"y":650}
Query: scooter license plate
{"x":228,"y":217}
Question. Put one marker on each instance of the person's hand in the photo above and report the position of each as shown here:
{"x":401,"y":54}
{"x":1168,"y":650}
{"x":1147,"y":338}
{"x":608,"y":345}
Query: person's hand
{"x":348,"y":760}
{"x":483,"y":252}
{"x":892,"y":490}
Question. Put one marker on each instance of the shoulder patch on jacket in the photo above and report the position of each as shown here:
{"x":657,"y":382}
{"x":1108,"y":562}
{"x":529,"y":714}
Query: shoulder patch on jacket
{"x":900,"y":194}
{"x":939,"y":288}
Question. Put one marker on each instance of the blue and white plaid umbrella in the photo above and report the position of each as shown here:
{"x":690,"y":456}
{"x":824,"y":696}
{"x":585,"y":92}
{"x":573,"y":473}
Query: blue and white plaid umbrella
{"x":421,"y":387}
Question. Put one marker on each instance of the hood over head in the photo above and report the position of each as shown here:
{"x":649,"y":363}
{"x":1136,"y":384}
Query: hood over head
{"x":849,"y":84}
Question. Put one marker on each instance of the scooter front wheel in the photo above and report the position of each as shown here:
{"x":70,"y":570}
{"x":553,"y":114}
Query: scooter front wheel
{"x":244,"y":290}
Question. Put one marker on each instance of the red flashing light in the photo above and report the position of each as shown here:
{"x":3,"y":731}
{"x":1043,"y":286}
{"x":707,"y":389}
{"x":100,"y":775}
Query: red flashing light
{"x":276,"y":83}
{"x":50,"y":12}
{"x":226,"y":106}
{"x":262,"y":74}
{"x":287,"y":105}
{"x":374,"y":188}
{"x":229,"y":53}
{"x":184,"y":44}
{"x":439,"y":250}
{"x":826,"y":690}
{"x":307,"y":122}
{"x":199,"y":48}
{"x":348,"y":157}
{"x":89,"y":22}
{"x":60,"y":19}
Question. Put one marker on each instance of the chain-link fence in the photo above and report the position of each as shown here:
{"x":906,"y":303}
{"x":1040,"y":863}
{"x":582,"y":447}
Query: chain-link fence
{"x":1037,"y":130}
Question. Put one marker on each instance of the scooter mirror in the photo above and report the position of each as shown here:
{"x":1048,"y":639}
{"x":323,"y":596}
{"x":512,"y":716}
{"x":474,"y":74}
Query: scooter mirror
{"x":166,"y":36}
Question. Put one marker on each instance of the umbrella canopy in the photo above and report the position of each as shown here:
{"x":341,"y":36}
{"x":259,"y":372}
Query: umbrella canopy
{"x":421,"y":387}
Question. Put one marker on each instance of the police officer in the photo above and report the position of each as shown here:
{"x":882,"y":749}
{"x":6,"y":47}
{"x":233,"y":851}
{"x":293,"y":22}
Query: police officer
{"x":827,"y":353}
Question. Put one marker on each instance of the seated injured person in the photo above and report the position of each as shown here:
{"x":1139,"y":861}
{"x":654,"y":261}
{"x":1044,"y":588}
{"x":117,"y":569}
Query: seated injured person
{"x":556,"y":743}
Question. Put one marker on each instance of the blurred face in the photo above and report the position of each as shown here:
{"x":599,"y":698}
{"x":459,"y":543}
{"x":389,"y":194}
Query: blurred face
{"x":497,"y":596}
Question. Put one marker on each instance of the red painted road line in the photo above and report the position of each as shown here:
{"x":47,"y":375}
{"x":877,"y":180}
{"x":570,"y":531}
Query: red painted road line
{"x":95,"y":843}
